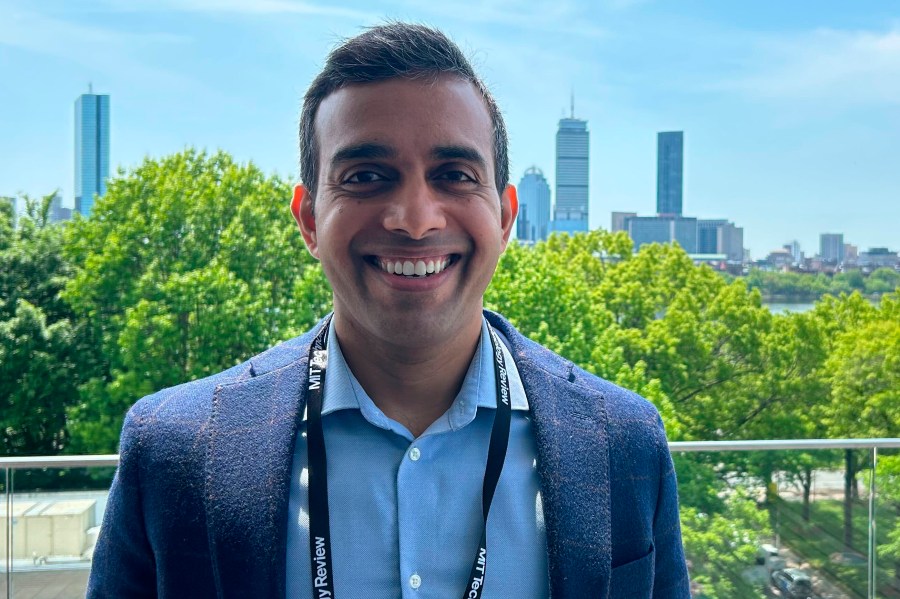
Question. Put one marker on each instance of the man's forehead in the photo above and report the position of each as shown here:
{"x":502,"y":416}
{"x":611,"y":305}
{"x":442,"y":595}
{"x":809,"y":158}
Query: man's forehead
{"x":426,"y":86}
{"x":386,"y":115}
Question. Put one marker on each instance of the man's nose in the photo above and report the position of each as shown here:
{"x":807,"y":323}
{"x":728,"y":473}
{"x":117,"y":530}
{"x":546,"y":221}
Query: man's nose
{"x":415,"y":211}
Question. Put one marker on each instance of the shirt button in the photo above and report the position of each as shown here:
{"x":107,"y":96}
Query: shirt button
{"x":415,"y":454}
{"x":415,"y":581}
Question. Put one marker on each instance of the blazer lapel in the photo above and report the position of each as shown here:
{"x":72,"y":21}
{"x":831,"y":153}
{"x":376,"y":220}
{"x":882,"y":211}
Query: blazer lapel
{"x":570,"y":425}
{"x":251,"y":444}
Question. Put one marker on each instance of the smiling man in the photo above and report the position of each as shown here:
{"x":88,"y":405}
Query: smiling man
{"x":412,"y":444}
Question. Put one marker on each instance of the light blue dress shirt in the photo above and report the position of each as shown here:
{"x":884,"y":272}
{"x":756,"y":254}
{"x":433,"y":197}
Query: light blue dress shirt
{"x":406,"y":512}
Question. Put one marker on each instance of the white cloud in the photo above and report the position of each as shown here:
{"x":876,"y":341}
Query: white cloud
{"x":45,"y":34}
{"x":96,"y":48}
{"x":624,"y":4}
{"x":838,"y":68}
{"x":550,"y":16}
{"x":245,"y":7}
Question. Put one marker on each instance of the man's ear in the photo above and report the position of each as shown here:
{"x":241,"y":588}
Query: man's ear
{"x":509,"y":208}
{"x":302,"y":209}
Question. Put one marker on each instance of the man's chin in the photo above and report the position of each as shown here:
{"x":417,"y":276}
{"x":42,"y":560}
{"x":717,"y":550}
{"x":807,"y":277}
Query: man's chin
{"x":427,"y":328}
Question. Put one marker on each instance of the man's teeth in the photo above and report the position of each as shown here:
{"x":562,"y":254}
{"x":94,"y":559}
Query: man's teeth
{"x":419,"y":268}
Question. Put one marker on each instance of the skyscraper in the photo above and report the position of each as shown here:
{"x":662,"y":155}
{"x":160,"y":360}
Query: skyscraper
{"x":58,"y":213}
{"x":831,"y":247}
{"x":534,"y":206}
{"x":669,"y":172}
{"x":572,"y":149}
{"x":91,"y":149}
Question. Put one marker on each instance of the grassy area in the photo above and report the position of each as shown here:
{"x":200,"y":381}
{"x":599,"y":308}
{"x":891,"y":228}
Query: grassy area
{"x":815,"y":541}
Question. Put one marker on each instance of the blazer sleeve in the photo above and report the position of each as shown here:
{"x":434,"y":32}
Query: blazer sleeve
{"x":671,"y":579}
{"x":123,"y":566}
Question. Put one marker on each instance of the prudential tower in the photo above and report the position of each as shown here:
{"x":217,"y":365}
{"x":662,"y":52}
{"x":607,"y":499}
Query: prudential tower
{"x":572,"y":142}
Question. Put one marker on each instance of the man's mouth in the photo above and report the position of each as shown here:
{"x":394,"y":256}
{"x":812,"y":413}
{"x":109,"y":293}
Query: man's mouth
{"x":415,"y":267}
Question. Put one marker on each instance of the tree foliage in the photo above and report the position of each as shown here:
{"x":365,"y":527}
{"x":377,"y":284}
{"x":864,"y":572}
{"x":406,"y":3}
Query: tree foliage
{"x":864,"y":372}
{"x":721,"y":545}
{"x":812,"y":286}
{"x":40,"y":350}
{"x":187,"y":266}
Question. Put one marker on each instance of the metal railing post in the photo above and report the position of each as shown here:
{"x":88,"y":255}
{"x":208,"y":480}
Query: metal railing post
{"x":873,"y":529}
{"x":8,"y":536}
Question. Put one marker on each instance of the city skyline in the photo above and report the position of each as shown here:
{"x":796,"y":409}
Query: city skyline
{"x":791,"y":114}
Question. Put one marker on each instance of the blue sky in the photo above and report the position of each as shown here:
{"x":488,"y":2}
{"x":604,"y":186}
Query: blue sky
{"x":791,"y":110}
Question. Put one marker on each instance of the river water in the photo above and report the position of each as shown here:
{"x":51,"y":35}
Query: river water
{"x":779,"y":307}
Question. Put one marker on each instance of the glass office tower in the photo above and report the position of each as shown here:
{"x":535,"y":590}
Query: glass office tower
{"x":572,"y":142}
{"x":533,"y":222}
{"x":669,"y":172}
{"x":831,"y":247}
{"x":91,"y":150}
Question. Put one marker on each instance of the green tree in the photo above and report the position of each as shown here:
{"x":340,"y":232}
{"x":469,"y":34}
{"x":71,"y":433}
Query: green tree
{"x":36,"y":384}
{"x":32,"y":266}
{"x":40,"y":350}
{"x":7,"y":221}
{"x":883,"y":280}
{"x":837,"y":316}
{"x":187,"y":266}
{"x":865,"y":379}
{"x":697,"y":335}
{"x":888,"y":481}
{"x":722,"y":545}
{"x":852,"y":280}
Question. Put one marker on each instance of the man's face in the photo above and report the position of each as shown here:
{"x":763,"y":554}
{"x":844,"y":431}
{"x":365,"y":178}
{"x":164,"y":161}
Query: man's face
{"x":407,"y":184}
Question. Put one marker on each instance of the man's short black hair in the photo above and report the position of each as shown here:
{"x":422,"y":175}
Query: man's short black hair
{"x":393,"y":51}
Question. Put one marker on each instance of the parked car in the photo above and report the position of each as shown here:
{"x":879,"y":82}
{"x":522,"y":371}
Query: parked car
{"x":764,"y":551}
{"x":793,"y":583}
{"x":768,"y":555}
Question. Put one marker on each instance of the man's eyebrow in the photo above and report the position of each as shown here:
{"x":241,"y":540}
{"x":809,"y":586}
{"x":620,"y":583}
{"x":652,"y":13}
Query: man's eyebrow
{"x":362,"y":151}
{"x":459,"y":153}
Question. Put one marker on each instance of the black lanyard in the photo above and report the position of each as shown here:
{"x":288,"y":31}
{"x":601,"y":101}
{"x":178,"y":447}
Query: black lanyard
{"x":319,"y":528}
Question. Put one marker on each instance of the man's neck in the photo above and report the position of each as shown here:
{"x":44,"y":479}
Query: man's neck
{"x":412,"y":385}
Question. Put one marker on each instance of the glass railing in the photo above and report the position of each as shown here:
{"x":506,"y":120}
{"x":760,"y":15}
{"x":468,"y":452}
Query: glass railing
{"x":760,"y":519}
{"x":50,"y":517}
{"x":784,"y":519}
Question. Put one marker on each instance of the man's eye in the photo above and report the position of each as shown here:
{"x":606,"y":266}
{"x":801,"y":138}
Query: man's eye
{"x":364,"y":177}
{"x":456,"y":176}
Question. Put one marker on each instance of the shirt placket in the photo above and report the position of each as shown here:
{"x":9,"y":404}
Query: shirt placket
{"x":413,"y":476}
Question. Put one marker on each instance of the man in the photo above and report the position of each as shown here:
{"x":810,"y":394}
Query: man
{"x":363,"y":459}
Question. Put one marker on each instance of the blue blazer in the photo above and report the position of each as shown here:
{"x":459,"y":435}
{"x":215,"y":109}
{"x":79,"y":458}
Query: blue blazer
{"x":198,"y":507}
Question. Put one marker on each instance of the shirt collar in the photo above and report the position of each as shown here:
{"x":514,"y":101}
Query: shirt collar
{"x":343,"y":391}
